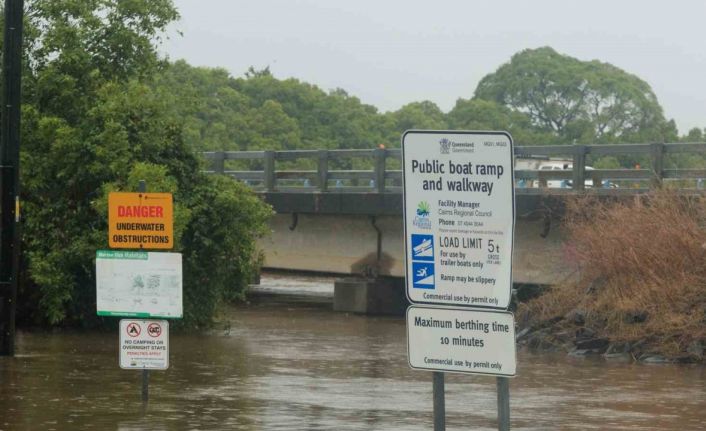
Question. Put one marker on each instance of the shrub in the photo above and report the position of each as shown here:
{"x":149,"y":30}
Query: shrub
{"x":642,"y":275}
{"x":220,"y":254}
{"x":92,"y":122}
{"x":69,"y":171}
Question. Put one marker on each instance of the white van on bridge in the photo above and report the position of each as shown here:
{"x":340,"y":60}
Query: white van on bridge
{"x":549,"y":164}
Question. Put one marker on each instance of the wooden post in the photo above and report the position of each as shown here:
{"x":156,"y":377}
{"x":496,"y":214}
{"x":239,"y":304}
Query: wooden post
{"x":323,"y":170}
{"x":380,"y":170}
{"x":657,"y":156}
{"x":579,"y":167}
{"x":270,"y":179}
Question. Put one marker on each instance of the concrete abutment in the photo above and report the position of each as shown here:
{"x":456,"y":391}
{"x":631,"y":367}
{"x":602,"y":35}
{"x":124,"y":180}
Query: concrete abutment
{"x":377,"y":296}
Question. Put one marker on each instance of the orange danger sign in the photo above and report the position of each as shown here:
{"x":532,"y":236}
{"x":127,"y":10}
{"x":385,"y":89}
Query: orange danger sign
{"x":140,"y":220}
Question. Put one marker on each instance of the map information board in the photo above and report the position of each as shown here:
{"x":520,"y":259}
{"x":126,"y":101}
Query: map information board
{"x":138,"y":284}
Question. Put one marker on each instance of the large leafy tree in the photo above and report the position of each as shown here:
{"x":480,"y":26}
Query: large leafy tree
{"x":95,"y":121}
{"x":212,"y":113}
{"x":331,"y":119}
{"x":578,"y":101}
{"x":477,"y":114}
{"x":418,"y":115}
{"x":75,"y":46}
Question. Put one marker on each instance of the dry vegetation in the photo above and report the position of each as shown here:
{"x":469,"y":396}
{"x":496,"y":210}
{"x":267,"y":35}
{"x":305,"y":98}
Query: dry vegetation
{"x":643,"y":275}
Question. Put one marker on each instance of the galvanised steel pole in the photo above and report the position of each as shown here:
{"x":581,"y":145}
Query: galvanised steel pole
{"x":439,"y":401}
{"x":503,"y":384}
{"x":10,"y":173}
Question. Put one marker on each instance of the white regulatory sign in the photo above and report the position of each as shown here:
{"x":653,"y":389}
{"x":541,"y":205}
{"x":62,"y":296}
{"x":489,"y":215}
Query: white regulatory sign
{"x":138,"y":284}
{"x":459,"y":215}
{"x":461,"y":340}
{"x":144,"y":344}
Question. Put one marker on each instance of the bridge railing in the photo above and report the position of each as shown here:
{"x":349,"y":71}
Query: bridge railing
{"x":378,"y":178}
{"x":381,"y":172}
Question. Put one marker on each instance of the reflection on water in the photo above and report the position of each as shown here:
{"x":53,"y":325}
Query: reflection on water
{"x":295,"y":365}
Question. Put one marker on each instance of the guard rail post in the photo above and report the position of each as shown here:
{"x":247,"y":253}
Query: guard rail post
{"x":380,"y":170}
{"x":219,"y":158}
{"x":269,"y":171}
{"x":579,"y":167}
{"x":322,"y":170}
{"x":657,"y":159}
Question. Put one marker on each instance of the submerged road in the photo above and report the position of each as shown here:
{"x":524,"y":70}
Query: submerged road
{"x":287,"y":362}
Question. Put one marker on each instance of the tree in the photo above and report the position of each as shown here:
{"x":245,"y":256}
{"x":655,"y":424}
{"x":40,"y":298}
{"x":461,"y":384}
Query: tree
{"x":325,"y":120}
{"x":212,"y":113}
{"x":94,"y":121}
{"x":694,"y":135}
{"x":418,"y":115}
{"x":578,"y":101}
{"x":74,"y":46}
{"x":477,"y":114}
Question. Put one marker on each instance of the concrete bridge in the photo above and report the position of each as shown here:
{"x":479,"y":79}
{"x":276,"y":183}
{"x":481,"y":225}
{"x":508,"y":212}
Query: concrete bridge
{"x":340,"y":211}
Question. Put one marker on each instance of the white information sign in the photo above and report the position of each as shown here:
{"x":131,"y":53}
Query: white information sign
{"x":144,"y":344}
{"x":461,"y":340}
{"x":459,"y":214}
{"x":138,"y":284}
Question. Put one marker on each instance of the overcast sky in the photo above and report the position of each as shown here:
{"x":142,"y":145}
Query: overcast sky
{"x":390,"y":53}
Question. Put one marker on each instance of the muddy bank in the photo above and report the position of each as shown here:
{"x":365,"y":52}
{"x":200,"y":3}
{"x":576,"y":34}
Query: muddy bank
{"x":584,"y":342}
{"x":571,"y":334}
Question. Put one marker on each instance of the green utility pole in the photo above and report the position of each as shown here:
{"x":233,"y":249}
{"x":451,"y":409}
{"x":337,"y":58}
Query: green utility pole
{"x":10,"y":174}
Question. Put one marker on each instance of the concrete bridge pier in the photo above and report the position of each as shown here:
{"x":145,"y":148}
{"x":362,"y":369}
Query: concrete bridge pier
{"x":370,"y":295}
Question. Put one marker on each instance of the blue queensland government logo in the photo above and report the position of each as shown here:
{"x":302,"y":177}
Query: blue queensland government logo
{"x":444,"y":146}
{"x":421,"y":220}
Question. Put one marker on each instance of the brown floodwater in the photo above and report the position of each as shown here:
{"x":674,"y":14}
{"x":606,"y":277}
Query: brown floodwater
{"x":287,"y":362}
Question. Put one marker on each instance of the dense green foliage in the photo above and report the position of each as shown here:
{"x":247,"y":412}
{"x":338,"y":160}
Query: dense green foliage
{"x":578,"y":101}
{"x":261,"y":112}
{"x":540,"y":96}
{"x":94,"y":122}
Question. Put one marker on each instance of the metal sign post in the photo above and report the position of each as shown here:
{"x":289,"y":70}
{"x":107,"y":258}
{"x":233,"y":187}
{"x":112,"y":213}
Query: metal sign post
{"x":139,"y":284}
{"x":145,"y":385}
{"x":503,"y":384}
{"x":439,"y":401}
{"x":459,"y":220}
{"x":142,"y":188}
{"x":144,"y":345}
